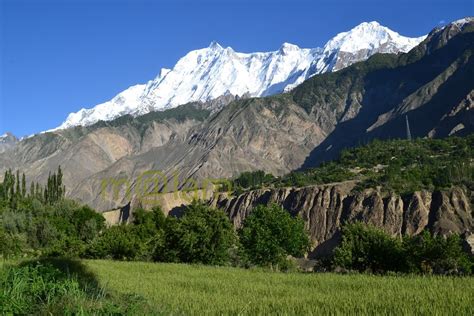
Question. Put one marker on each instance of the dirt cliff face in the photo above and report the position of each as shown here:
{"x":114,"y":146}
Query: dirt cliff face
{"x":326,"y":208}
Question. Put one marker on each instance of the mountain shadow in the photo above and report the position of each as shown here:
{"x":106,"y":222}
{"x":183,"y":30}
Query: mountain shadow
{"x":430,"y":91}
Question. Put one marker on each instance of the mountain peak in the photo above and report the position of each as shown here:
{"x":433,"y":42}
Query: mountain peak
{"x":288,"y":47}
{"x":7,"y":135}
{"x":369,"y":24}
{"x":214,"y":45}
{"x":461,"y":22}
{"x":370,"y":36}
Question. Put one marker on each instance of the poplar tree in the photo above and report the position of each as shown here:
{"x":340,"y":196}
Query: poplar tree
{"x":32,"y":190}
{"x":23,"y":185}
{"x":18,"y":191}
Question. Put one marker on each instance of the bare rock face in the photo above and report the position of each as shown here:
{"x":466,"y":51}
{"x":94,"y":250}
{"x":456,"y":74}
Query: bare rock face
{"x":7,"y":141}
{"x":326,"y":208}
{"x":417,"y":212}
{"x":470,"y":243}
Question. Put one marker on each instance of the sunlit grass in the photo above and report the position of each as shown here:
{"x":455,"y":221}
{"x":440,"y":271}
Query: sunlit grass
{"x":190,"y":289}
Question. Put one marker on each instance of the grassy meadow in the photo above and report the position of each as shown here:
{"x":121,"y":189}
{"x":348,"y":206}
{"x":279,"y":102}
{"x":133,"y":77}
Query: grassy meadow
{"x":195,"y":289}
{"x":104,"y":287}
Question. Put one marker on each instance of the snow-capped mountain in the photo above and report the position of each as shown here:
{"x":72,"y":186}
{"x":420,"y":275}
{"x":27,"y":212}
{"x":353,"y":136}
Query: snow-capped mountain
{"x":208,"y":73}
{"x":7,"y":141}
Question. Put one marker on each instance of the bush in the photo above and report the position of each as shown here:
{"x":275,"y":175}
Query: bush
{"x":117,"y":242}
{"x":366,"y":248}
{"x":269,"y":234}
{"x":426,"y":253}
{"x":45,"y":288}
{"x":202,"y":235}
{"x":11,"y":245}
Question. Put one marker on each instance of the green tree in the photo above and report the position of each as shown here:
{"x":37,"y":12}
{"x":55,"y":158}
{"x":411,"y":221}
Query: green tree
{"x":269,"y":234}
{"x":38,"y":192}
{"x":87,"y":223}
{"x":252,"y":179}
{"x":55,"y":190}
{"x":202,"y":235}
{"x":17,"y":189}
{"x":23,"y":185}
{"x":117,"y":242}
{"x":32,"y":190}
{"x":426,"y":253}
{"x":148,"y":223}
{"x":366,"y":248}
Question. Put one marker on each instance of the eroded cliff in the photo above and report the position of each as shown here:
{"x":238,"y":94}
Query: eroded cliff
{"x":326,"y":208}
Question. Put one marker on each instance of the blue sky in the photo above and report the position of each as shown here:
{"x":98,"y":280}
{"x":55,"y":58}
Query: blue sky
{"x":59,"y":56}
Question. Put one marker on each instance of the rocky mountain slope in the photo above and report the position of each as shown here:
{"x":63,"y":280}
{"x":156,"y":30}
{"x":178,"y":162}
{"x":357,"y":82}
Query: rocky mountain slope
{"x":208,"y":73}
{"x":432,"y":84}
{"x":7,"y":141}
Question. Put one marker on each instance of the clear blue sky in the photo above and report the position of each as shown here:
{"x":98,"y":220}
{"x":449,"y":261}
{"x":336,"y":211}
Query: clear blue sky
{"x":60,"y":56}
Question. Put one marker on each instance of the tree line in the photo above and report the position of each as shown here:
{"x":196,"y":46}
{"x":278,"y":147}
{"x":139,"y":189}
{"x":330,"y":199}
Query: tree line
{"x":41,"y":224}
{"x":13,"y":189}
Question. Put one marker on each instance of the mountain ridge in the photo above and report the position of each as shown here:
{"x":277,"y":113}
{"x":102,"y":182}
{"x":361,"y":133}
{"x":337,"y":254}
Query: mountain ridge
{"x":215,"y":71}
{"x":277,"y":134}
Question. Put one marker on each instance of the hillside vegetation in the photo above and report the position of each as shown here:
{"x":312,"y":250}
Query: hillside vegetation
{"x":400,"y":166}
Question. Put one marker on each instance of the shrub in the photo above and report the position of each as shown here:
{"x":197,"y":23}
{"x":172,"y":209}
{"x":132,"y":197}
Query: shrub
{"x":117,"y":242}
{"x":426,"y":253}
{"x":269,"y":234}
{"x":11,"y":245}
{"x":366,"y":248}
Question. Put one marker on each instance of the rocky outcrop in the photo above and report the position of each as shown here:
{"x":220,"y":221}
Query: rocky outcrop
{"x":469,"y":242}
{"x":326,"y":208}
{"x":7,"y":141}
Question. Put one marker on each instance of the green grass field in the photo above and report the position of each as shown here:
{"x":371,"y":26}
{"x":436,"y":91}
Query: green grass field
{"x":188,"y":289}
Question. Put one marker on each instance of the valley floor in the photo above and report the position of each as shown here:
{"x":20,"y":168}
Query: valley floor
{"x":194,"y":289}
